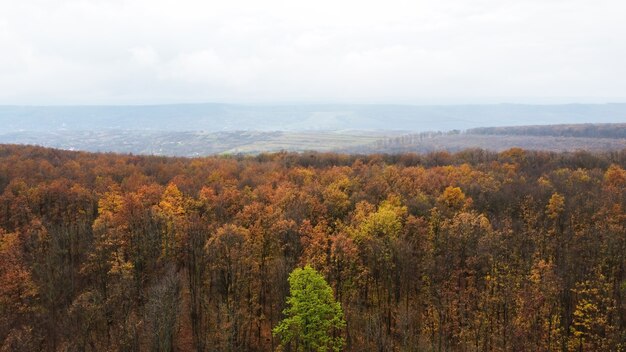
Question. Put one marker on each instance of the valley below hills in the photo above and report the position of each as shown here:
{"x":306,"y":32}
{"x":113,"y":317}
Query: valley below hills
{"x":191,"y":130}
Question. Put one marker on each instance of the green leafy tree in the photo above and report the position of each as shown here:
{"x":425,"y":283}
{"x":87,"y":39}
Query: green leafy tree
{"x":312,"y":317}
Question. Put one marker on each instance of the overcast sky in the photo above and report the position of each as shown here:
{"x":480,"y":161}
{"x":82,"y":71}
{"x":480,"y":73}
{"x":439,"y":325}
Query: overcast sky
{"x":269,"y":51}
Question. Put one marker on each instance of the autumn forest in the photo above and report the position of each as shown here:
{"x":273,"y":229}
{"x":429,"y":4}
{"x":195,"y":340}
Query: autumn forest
{"x":472,"y":251}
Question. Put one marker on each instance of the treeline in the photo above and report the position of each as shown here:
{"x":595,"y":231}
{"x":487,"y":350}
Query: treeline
{"x":587,"y":130}
{"x":455,"y":141}
{"x":558,"y":138}
{"x":473,"y":251}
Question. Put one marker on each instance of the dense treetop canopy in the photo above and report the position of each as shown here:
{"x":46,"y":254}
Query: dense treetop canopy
{"x":473,"y":251}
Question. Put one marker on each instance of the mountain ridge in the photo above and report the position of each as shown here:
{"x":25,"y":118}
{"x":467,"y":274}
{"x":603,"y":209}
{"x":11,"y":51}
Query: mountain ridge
{"x":214,"y":117}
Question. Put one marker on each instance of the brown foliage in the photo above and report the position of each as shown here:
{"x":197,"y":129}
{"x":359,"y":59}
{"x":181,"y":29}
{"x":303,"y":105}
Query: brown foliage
{"x":472,"y":251}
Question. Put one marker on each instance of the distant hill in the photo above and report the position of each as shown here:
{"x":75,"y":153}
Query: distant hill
{"x":458,"y":142}
{"x":328,"y":117}
{"x":603,"y":137}
{"x":206,"y":129}
{"x":587,"y":130}
{"x":570,"y":137}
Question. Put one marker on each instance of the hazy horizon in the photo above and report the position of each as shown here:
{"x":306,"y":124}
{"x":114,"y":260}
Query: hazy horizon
{"x":456,"y":102}
{"x":299,"y":117}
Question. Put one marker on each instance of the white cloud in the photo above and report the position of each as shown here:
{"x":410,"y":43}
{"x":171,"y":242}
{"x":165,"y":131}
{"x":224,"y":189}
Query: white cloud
{"x":144,"y":56}
{"x":144,"y":51}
